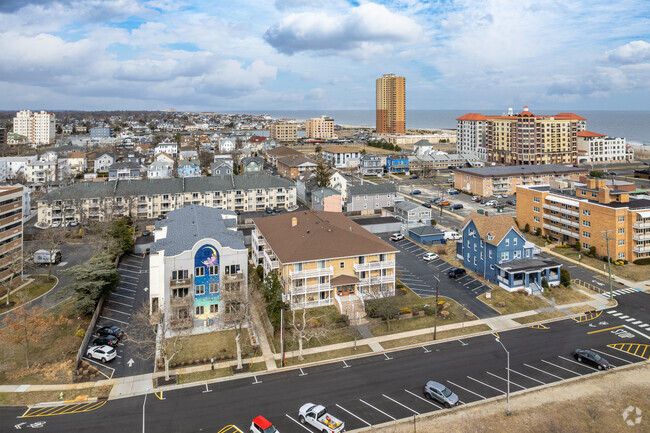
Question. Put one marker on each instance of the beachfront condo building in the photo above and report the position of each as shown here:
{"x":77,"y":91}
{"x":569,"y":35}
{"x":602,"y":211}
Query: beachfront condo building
{"x":284,"y":132}
{"x":391,"y":104}
{"x":320,"y":127}
{"x":39,"y":128}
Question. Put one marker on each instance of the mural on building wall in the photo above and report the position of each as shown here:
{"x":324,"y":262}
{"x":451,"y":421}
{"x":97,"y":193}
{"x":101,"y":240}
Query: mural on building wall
{"x":206,"y":258}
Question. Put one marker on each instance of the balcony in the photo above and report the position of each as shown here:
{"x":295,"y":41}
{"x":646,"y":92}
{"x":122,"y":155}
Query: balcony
{"x":181,"y":301}
{"x":270,"y":260}
{"x":641,"y":248}
{"x":373,"y":266}
{"x":180,"y":282}
{"x":312,"y":273}
{"x":376,"y":280}
{"x":641,"y":225}
{"x":311,"y":288}
{"x":641,"y":236}
{"x":229,"y":278}
{"x":311,"y":304}
{"x":557,"y":219}
{"x":561,"y":230}
{"x":176,"y":323}
{"x":561,"y":210}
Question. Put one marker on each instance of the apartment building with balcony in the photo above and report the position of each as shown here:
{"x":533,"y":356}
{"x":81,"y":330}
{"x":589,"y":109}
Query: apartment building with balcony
{"x":585,"y":213}
{"x":198,"y":268}
{"x":41,"y":172}
{"x":320,"y":127}
{"x":599,"y":148}
{"x":284,"y":132}
{"x":11,"y":231}
{"x":38,"y":127}
{"x":147,"y":199}
{"x":342,"y":156}
{"x":487,"y":181}
{"x":324,"y":258}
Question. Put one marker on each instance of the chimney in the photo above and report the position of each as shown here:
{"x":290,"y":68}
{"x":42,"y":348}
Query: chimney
{"x":294,"y":221}
{"x":603,"y":195}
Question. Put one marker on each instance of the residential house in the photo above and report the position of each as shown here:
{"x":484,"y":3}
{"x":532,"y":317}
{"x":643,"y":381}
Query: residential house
{"x":370,"y":165}
{"x":342,"y":157}
{"x":188,"y":169}
{"x":165,"y":157}
{"x":77,"y":162}
{"x":41,"y":172}
{"x":159,"y":170}
{"x":326,"y":199}
{"x":188,"y":155}
{"x":170,"y":149}
{"x":493,"y":247}
{"x":252,"y":164}
{"x":397,"y":164}
{"x":305,"y":184}
{"x":280,"y":152}
{"x":411,"y":214}
{"x":220,"y":167}
{"x":341,"y":183}
{"x":103,"y":161}
{"x":370,"y":198}
{"x":292,"y":166}
{"x":227,"y":145}
{"x":124,"y":171}
{"x":16,"y":165}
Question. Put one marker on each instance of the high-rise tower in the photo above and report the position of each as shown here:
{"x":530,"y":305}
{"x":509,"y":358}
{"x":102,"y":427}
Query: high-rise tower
{"x":391,"y":104}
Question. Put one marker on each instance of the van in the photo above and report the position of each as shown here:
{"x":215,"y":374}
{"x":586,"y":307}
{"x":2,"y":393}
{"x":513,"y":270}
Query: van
{"x":452,"y":236}
{"x":43,"y":257}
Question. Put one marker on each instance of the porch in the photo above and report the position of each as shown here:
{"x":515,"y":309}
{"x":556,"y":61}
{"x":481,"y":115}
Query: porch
{"x":527,"y":274}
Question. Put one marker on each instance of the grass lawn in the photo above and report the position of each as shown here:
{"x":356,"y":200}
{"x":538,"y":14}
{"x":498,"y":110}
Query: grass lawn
{"x":630,"y":271}
{"x":428,"y":338}
{"x":580,"y":309}
{"x":33,"y":290}
{"x":506,"y":303}
{"x":326,"y":316}
{"x":565,"y":295}
{"x":51,"y":358}
{"x":28,"y":398}
{"x":323,"y":356}
{"x":545,"y":315}
{"x":218,"y":344}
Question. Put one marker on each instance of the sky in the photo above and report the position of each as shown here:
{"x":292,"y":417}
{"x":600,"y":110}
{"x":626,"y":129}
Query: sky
{"x":225,"y":56}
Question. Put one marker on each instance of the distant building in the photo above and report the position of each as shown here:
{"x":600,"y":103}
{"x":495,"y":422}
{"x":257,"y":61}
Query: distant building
{"x":320,"y":127}
{"x":220,"y":167}
{"x":170,"y":149}
{"x":342,"y":156}
{"x":391,"y":104}
{"x":39,"y":128}
{"x":11,"y":236}
{"x":596,"y":148}
{"x":252,"y":164}
{"x":101,"y":132}
{"x":41,"y":172}
{"x":292,"y":166}
{"x":124,"y":171}
{"x":188,"y":169}
{"x":3,"y":136}
{"x":371,"y":198}
{"x":370,"y":165}
{"x":227,"y":145}
{"x":16,"y":165}
{"x":326,"y":199}
{"x":103,"y":161}
{"x":159,"y":170}
{"x":397,"y":164}
{"x":284,"y":132}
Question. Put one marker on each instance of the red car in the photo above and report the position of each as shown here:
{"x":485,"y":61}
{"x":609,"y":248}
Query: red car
{"x":262,"y":425}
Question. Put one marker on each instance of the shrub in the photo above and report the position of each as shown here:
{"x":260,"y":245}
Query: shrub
{"x":445,"y":314}
{"x":643,"y":261}
{"x":592,"y":251}
{"x":342,"y":321}
{"x":260,"y":271}
{"x":565,"y":277}
{"x":538,"y":231}
{"x":433,"y":222}
{"x":544,"y":283}
{"x":625,"y":262}
{"x":577,"y":246}
{"x":527,"y":228}
{"x":382,"y":308}
{"x":405,"y":310}
{"x":80,"y":333}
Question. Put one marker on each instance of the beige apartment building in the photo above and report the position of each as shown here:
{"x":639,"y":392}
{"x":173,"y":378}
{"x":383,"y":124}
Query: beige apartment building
{"x":11,"y":231}
{"x":284,"y":132}
{"x":585,"y":213}
{"x":324,"y":258}
{"x":320,"y":127}
{"x":95,"y":201}
{"x":391,"y":104}
{"x":487,"y":181}
{"x":38,"y":127}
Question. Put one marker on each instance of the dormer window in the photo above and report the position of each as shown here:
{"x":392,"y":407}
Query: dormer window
{"x":490,"y":237}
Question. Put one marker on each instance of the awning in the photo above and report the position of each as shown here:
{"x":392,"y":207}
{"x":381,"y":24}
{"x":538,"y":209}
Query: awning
{"x":644,"y":214}
{"x":343,"y":280}
{"x":563,"y":200}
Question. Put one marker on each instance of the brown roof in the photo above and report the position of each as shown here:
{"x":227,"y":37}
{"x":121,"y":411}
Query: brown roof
{"x":472,"y":116}
{"x":282,"y":151}
{"x":497,"y":226}
{"x":343,"y":280}
{"x":75,"y":155}
{"x":590,"y":134}
{"x":295,"y":160}
{"x":318,"y":236}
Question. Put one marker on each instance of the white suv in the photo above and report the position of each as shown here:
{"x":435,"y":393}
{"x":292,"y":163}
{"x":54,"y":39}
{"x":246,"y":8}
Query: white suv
{"x":103,"y":353}
{"x":396,"y":237}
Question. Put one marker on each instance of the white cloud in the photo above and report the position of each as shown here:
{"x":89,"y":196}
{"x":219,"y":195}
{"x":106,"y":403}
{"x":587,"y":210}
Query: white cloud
{"x":632,"y":52}
{"x":368,"y":23}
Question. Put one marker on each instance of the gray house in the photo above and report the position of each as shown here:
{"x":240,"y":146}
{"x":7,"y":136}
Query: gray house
{"x":326,"y":199}
{"x":220,"y":167}
{"x":103,"y":161}
{"x":370,"y":165}
{"x":252,"y":164}
{"x":305,"y":184}
{"x":124,"y":171}
{"x":370,"y":198}
{"x":412,"y":213}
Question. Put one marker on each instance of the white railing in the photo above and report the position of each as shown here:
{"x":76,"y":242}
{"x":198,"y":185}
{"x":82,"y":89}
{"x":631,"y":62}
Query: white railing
{"x":561,"y":230}
{"x":641,"y":236}
{"x":373,"y":266}
{"x":337,"y":298}
{"x":572,"y":223}
{"x":312,"y":273}
{"x":271,"y":260}
{"x":561,"y":210}
{"x":641,"y":225}
{"x":641,"y":248}
{"x":376,"y":280}
{"x":312,"y":304}
{"x":310,"y":288}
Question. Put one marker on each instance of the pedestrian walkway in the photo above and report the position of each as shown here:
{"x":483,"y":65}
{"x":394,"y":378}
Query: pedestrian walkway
{"x":366,"y":334}
{"x":263,"y":343}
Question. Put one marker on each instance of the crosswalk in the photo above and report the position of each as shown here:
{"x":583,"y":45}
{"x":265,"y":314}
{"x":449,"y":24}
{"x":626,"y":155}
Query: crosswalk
{"x":619,"y":292}
{"x":631,"y":320}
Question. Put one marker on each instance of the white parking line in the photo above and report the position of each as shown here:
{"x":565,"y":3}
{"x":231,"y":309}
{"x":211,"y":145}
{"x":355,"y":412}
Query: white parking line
{"x":611,"y":311}
{"x":360,"y":419}
{"x":458,"y":386}
{"x":117,"y":311}
{"x":445,"y":270}
{"x":630,"y":319}
{"x":114,"y":320}
{"x":645,"y":325}
{"x":124,"y":288}
{"x":298,"y":423}
{"x":380,"y":411}
{"x":485,"y":384}
{"x":612,"y":356}
{"x":403,"y":405}
{"x":578,"y":363}
{"x":543,"y":371}
{"x":128,"y":276}
{"x":531,"y":378}
{"x":127,"y":282}
{"x":505,"y":380}
{"x":423,"y":399}
{"x":623,"y":317}
{"x":467,"y":284}
{"x":637,"y":322}
{"x":124,"y":296}
{"x":129,"y":270}
{"x":558,"y":366}
{"x":121,"y":303}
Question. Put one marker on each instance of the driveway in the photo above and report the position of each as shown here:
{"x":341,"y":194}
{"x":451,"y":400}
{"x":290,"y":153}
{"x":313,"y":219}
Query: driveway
{"x":418,"y":276}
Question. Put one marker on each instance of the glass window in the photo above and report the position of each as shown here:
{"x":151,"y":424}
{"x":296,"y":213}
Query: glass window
{"x":199,"y":271}
{"x":199,"y":310}
{"x":200,"y":289}
{"x":214,"y":287}
{"x":342,"y":265}
{"x":214,"y":308}
{"x":213,"y":270}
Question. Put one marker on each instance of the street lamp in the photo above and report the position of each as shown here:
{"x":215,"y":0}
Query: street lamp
{"x":145,"y":402}
{"x":508,"y":368}
{"x":435,"y":311}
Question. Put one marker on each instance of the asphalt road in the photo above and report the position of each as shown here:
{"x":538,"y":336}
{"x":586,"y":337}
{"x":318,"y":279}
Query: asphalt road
{"x":372,"y":389}
{"x":418,"y":276}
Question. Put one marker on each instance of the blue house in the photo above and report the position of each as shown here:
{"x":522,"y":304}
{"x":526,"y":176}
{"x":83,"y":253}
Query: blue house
{"x":188,"y":169}
{"x":495,"y":248}
{"x":397,"y":164}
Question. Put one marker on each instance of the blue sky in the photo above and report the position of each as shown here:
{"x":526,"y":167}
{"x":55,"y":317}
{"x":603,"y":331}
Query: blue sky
{"x":306,"y":54}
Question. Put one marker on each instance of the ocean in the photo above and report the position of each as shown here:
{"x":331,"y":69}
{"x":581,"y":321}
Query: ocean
{"x":633,"y":125}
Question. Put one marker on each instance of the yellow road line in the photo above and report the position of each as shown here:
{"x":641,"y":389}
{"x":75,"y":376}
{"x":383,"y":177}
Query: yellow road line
{"x":630,"y":346}
{"x":538,"y":326}
{"x":606,"y":329}
{"x":63,"y":410}
{"x":160,"y":397}
{"x":230,"y":428}
{"x":643,"y":354}
{"x":496,"y":334}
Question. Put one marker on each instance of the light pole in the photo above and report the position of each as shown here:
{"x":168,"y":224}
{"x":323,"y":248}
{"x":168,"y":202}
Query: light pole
{"x":435,"y":311}
{"x":508,"y":368}
{"x":145,"y":402}
{"x":609,"y":262}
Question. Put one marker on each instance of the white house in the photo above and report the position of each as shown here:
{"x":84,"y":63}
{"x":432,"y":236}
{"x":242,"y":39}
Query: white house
{"x":40,"y":172}
{"x":164,"y":157}
{"x":340,"y":183}
{"x":168,"y":148}
{"x":159,"y":170}
{"x":16,"y":165}
{"x":226,"y":145}
{"x":103,"y":161}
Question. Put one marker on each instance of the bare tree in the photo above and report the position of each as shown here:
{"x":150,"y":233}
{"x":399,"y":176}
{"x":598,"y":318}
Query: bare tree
{"x":155,"y":336}
{"x":381,"y":303}
{"x":53,"y":239}
{"x":14,"y":267}
{"x":237,"y":304}
{"x":305,"y":329}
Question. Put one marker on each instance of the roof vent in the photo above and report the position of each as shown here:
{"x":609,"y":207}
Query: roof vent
{"x":307,"y":230}
{"x":294,"y":221}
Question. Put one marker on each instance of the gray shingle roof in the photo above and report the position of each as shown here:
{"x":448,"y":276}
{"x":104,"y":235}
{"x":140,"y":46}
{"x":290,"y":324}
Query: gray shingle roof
{"x":190,"y":224}
{"x":325,"y":192}
{"x":521,"y":169}
{"x":369,"y":188}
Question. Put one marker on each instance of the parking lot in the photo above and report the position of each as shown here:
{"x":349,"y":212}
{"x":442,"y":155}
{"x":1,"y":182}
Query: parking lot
{"x":418,"y":276}
{"x":117,"y":310}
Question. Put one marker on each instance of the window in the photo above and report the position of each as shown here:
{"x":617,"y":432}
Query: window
{"x":621,"y":219}
{"x":586,"y":223}
{"x":586,"y":246}
{"x":621,"y":231}
{"x":516,"y":254}
{"x":490,"y":254}
{"x":474,"y":259}
{"x":213,"y":270}
{"x":214,"y":287}
{"x":200,"y":289}
{"x":586,"y":234}
{"x":514,"y":242}
{"x":481,"y":243}
{"x":505,"y":256}
{"x":468,"y":257}
{"x":621,"y":255}
{"x":214,"y":308}
{"x":179,"y":275}
{"x":621,"y":242}
{"x":235,"y":269}
{"x":297,"y":267}
{"x":535,"y":209}
{"x":342,"y":265}
{"x":199,"y":271}
{"x":536,"y":199}
{"x":481,"y":255}
{"x":507,"y":242}
{"x":536,"y":219}
{"x":467,"y":243}
{"x":199,"y":310}
{"x":586,"y":212}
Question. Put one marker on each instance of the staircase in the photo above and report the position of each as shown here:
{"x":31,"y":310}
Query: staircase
{"x":353,"y":307}
{"x":535,"y":289}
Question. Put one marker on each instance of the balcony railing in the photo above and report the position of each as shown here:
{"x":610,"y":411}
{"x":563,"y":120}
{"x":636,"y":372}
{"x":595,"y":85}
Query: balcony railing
{"x":311,"y":288}
{"x":376,"y":280}
{"x":311,"y":273}
{"x":181,"y":301}
{"x":641,"y":225}
{"x":270,"y":258}
{"x":239,"y":276}
{"x":641,"y":248}
{"x":561,"y":230}
{"x":176,"y":323}
{"x":311,"y":304}
{"x":557,"y":219}
{"x":180,"y":282}
{"x":641,"y":236}
{"x":561,"y":210}
{"x":373,"y":266}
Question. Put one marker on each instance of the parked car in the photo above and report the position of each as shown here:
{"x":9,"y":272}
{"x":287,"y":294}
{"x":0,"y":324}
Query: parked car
{"x":490,"y":203}
{"x":591,"y":358}
{"x":56,"y":224}
{"x":45,"y":257}
{"x":105,"y":340}
{"x":456,"y":206}
{"x":262,"y":425}
{"x":416,"y":192}
{"x":318,"y":417}
{"x":428,"y":257}
{"x":396,"y":237}
{"x":277,"y":209}
{"x":511,"y":202}
{"x":435,"y":200}
{"x":427,"y":205}
{"x":612,"y":173}
{"x":146,"y":233}
{"x":452,"y":236}
{"x":414,"y":176}
{"x":476,"y":198}
{"x":444,"y":203}
{"x":439,"y":392}
{"x":456,"y":272}
{"x":111,"y":330}
{"x":268,"y":210}
{"x":452,"y":192}
{"x":102,"y":353}
{"x":74,"y":223}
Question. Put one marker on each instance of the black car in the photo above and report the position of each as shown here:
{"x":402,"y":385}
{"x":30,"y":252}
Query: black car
{"x":456,"y":272}
{"x":416,"y":191}
{"x":146,"y":233}
{"x":456,"y":206}
{"x":612,"y":173}
{"x":415,"y":176}
{"x":268,"y":210}
{"x":591,"y":358}
{"x":277,"y":209}
{"x":111,"y":330}
{"x":108,"y":340}
{"x":511,"y":202}
{"x":428,"y":205}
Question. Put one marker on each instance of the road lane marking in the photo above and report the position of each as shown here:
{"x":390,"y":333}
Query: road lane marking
{"x":611,"y":311}
{"x":558,"y":366}
{"x":645,"y":325}
{"x":621,"y":347}
{"x":299,"y":423}
{"x":485,"y":384}
{"x":638,"y":332}
{"x":606,"y":329}
{"x":623,"y":317}
{"x":612,"y":356}
{"x":543,"y":371}
{"x":423,"y":399}
{"x":637,"y":322}
{"x":579,"y":363}
{"x":124,"y":288}
{"x":630,"y":319}
{"x":531,"y":378}
{"x":127,"y":282}
{"x":458,"y":386}
{"x":62,"y":410}
{"x":505,"y":380}
{"x":360,"y":419}
{"x":129,"y":270}
{"x":377,"y":409}
{"x":403,"y":405}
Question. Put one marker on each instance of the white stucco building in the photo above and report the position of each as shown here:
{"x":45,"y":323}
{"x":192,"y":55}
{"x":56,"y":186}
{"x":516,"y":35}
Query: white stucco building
{"x":471,"y":132}
{"x":39,"y":128}
{"x":595,"y":148}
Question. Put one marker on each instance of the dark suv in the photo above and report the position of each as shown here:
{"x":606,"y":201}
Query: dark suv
{"x":456,"y":272}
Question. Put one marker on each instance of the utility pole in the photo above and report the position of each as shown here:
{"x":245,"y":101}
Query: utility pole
{"x":435,"y":315}
{"x":609,"y":262}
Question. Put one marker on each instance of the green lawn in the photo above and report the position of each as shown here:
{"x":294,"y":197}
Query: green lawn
{"x":218,"y":344}
{"x":630,"y":271}
{"x":428,"y":338}
{"x":33,"y":290}
{"x":544,"y":315}
{"x":202,"y":376}
{"x":506,"y":303}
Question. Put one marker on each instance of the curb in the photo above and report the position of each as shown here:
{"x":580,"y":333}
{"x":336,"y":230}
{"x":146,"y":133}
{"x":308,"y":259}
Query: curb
{"x":64,"y":403}
{"x":32,"y":300}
